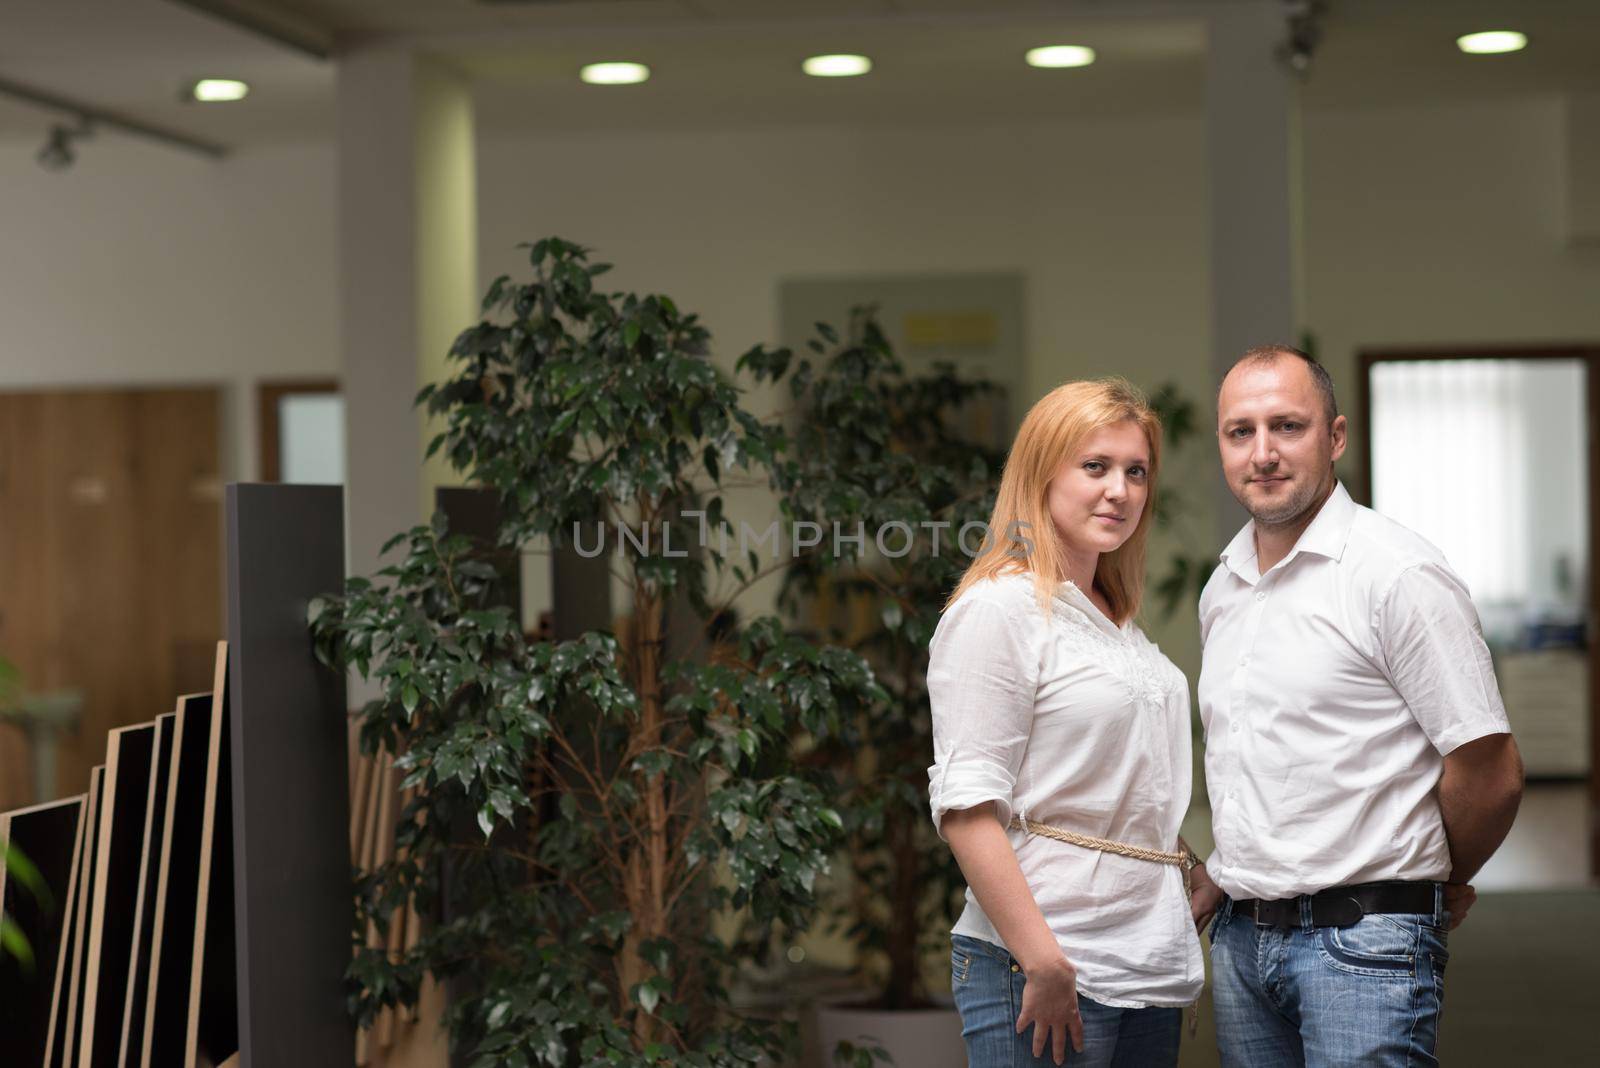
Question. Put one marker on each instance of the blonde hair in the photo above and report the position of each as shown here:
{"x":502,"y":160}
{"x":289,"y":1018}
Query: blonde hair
{"x":1055,"y":427}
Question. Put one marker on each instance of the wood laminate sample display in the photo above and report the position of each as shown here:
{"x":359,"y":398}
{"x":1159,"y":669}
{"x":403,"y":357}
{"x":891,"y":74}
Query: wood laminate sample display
{"x":47,"y":836}
{"x":141,"y":963}
{"x":125,"y":801}
{"x":177,"y":887}
{"x":212,"y":1030}
{"x":63,"y":1052}
{"x":67,"y":955}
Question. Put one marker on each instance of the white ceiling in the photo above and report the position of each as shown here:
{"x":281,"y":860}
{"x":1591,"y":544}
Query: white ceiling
{"x":719,"y":62}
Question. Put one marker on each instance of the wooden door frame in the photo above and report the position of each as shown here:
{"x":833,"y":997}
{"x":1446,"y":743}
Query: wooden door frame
{"x":268,"y":394}
{"x":1366,"y":358}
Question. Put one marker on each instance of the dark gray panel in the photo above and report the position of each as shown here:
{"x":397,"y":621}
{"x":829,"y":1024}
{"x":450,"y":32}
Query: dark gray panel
{"x":291,"y":807}
{"x":476,"y":513}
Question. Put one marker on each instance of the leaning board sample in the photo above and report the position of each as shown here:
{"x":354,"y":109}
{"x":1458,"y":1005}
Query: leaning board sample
{"x":47,"y":835}
{"x":67,"y":955}
{"x":177,"y":887}
{"x":140,"y":961}
{"x":63,"y":1052}
{"x":130,"y":753}
{"x":212,"y":1030}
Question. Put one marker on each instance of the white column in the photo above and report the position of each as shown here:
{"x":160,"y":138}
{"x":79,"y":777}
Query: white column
{"x":407,"y":274}
{"x":1253,"y":153}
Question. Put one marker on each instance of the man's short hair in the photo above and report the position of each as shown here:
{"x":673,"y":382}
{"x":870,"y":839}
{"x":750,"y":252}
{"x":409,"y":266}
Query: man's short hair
{"x":1262,"y":354}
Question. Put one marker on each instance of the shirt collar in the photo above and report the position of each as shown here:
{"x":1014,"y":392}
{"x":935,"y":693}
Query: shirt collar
{"x":1068,"y":591}
{"x":1326,"y":536}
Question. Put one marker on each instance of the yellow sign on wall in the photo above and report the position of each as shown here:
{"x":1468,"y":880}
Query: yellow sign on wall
{"x":940,"y":329}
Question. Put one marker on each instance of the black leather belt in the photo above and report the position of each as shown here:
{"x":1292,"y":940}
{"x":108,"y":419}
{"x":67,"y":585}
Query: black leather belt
{"x":1340,"y":906}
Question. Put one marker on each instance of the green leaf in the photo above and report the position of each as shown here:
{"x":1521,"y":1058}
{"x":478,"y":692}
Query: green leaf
{"x":14,"y":942}
{"x":647,"y":996}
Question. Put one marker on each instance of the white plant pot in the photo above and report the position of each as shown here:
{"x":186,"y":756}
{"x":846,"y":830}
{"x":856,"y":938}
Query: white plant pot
{"x":915,"y":1038}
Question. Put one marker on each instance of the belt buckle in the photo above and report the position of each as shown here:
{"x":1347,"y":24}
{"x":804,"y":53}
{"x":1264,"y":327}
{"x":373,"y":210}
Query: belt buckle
{"x":1262,"y":907}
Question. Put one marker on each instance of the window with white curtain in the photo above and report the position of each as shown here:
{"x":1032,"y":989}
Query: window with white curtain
{"x":1486,"y":458}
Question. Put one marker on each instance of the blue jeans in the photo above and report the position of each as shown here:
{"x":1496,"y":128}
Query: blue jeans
{"x":988,"y":982}
{"x":1365,"y":995}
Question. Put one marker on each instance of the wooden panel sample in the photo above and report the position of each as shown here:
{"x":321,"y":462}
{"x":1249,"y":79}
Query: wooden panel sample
{"x":67,"y":955}
{"x":177,"y":887}
{"x":211,"y":1033}
{"x":71,"y":1023}
{"x":140,"y":962}
{"x":47,"y":835}
{"x":123,"y":808}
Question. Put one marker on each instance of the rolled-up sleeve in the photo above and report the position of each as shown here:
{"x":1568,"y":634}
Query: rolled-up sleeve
{"x":1435,"y":656}
{"x":983,"y":674}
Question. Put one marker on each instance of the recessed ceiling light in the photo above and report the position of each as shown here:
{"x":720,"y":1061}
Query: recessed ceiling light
{"x":842,"y":65}
{"x":1060,"y":56}
{"x":218,"y":90}
{"x":614,"y":73}
{"x":1492,"y":42}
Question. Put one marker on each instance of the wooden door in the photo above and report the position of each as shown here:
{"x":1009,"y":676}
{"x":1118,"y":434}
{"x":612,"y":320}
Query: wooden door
{"x":110,"y":560}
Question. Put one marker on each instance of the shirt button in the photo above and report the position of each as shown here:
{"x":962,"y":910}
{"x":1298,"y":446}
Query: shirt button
{"x":1016,"y":967}
{"x":1244,"y":661}
{"x":1234,"y":727}
{"x":1261,"y":597}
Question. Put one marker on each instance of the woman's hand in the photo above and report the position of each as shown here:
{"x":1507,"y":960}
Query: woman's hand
{"x":1205,"y":897}
{"x":1050,"y":1005}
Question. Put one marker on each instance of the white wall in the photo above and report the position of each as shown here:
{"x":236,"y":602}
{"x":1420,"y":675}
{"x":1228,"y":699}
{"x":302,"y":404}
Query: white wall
{"x":142,"y":266}
{"x":1440,"y":224}
{"x":1443,"y":225}
{"x":1104,"y":219}
{"x":1423,"y":225}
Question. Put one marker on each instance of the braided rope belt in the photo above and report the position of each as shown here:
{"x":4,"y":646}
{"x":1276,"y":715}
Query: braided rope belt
{"x":1182,"y":861}
{"x":1104,"y":845}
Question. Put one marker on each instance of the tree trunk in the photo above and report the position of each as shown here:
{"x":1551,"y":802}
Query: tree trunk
{"x":647,"y":861}
{"x":904,"y":970}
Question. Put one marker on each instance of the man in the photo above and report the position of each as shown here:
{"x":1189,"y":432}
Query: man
{"x":1358,"y":758}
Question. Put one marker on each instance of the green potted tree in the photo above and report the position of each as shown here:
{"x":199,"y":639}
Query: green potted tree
{"x":881,"y":452}
{"x":586,"y":809}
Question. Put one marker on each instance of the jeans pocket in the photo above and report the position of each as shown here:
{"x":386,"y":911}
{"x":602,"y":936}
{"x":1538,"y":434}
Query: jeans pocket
{"x":960,"y":965}
{"x":1380,"y":945}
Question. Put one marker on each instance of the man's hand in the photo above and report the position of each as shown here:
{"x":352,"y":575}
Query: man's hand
{"x":1458,"y":898}
{"x":1205,"y":897}
{"x":1050,"y":1005}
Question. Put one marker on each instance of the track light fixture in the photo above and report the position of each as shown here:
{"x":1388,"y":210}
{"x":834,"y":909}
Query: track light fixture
{"x":58,"y":153}
{"x":1303,"y":32}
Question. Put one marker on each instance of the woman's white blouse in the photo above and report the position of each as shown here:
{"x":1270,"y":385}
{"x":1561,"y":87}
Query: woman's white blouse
{"x":1075,"y":722}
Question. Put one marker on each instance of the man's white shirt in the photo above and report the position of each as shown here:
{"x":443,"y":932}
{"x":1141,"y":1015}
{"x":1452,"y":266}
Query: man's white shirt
{"x":1331,"y":689}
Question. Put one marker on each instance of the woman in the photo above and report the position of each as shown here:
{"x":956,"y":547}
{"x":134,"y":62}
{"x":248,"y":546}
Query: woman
{"x":1061,"y":755}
